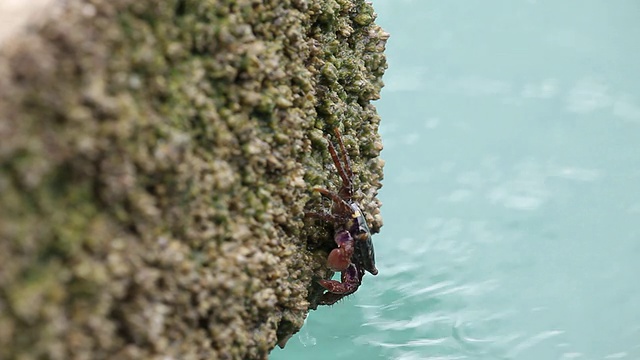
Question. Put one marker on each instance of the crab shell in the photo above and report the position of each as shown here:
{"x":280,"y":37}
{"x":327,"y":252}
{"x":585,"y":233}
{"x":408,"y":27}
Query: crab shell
{"x":364,"y":253}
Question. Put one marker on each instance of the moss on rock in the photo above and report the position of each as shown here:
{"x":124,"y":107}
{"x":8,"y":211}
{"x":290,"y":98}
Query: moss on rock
{"x":156,"y":159}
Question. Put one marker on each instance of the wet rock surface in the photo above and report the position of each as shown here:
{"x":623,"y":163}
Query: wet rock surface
{"x":156,"y":160}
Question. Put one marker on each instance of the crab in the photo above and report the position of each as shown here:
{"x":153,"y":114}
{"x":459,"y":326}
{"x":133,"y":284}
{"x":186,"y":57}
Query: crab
{"x":354,"y":253}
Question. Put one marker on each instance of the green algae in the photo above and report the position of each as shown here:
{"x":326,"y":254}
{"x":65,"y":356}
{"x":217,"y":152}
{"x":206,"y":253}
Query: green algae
{"x":156,"y":162}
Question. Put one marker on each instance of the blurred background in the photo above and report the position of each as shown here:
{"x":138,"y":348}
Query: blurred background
{"x":512,"y":188}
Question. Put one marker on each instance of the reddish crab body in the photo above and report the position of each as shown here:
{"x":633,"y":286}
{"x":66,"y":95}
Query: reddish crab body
{"x":354,"y":253}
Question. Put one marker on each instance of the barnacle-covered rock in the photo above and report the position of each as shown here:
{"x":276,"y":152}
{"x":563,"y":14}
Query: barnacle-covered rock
{"x":156,"y":159}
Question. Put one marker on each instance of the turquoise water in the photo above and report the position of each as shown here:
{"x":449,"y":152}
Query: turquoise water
{"x":512,"y":188}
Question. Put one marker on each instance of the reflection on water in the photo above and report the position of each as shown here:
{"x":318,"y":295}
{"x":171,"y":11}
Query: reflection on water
{"x":511,"y":197}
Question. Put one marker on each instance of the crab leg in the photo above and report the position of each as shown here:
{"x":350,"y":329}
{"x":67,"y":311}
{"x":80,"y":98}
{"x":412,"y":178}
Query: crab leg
{"x":346,"y":180}
{"x":350,"y":281}
{"x":337,"y":200}
{"x":345,"y":156}
{"x":322,"y":216}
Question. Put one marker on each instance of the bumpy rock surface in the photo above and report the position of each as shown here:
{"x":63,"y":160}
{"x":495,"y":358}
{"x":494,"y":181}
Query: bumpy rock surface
{"x":156,"y":160}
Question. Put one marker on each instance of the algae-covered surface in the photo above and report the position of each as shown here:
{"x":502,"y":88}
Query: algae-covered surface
{"x":156,"y":161}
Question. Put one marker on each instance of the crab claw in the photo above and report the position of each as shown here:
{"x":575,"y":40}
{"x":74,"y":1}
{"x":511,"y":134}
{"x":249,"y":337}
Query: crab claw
{"x":340,"y":258}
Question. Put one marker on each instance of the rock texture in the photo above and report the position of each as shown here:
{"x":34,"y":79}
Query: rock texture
{"x":156,"y":160}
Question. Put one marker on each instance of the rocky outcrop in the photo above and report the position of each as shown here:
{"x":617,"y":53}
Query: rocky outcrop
{"x":156,"y":159}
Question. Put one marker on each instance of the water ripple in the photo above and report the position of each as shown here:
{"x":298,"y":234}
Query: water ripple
{"x":411,"y":343}
{"x":533,"y":341}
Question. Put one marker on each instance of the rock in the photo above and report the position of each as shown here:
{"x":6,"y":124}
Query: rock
{"x":156,"y":160}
